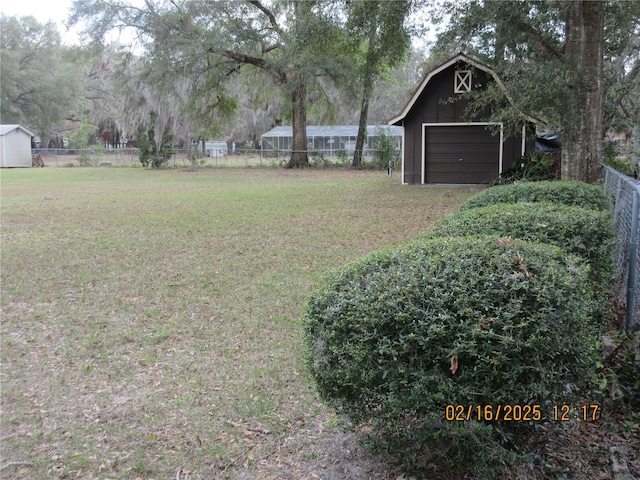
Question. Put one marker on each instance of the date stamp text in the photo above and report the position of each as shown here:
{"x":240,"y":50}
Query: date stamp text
{"x":522,"y":413}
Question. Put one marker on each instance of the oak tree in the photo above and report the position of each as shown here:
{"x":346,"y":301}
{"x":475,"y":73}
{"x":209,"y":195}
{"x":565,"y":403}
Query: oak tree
{"x":379,"y":32}
{"x":213,"y":40}
{"x":552,"y":57}
{"x":39,"y":85}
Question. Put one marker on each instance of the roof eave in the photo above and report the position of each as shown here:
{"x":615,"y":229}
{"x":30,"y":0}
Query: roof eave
{"x":422,"y":85}
{"x":6,"y":129}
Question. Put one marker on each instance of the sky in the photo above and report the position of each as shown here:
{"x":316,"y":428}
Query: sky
{"x":42,"y":10}
{"x":56,"y":11}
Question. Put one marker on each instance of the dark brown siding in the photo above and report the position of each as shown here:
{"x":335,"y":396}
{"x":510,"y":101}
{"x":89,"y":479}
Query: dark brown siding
{"x":438,"y":104}
{"x":512,"y":151}
{"x":461,"y":154}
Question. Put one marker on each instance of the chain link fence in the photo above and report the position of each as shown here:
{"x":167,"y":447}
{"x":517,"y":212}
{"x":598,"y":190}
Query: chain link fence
{"x":626,"y":192}
{"x":238,"y":158}
{"x":85,"y":157}
{"x":129,"y":157}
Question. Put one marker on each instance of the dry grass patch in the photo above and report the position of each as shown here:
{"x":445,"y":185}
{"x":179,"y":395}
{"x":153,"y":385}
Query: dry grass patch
{"x":150,"y":318}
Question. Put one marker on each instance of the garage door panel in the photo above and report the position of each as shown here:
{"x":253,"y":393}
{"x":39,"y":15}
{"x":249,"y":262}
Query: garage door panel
{"x":460,"y":179}
{"x":470,"y":169}
{"x":454,"y":164}
{"x":470,"y":131}
{"x":446,"y":150}
{"x":461,"y":159}
{"x":461,"y":154}
{"x":458,"y":149}
{"x":462,"y":139}
{"x":461,"y":143}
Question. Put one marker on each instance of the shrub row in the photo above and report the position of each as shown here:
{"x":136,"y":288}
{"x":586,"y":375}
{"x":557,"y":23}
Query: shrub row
{"x":582,"y":231}
{"x":399,"y":335}
{"x":387,"y":326}
{"x":577,"y":194}
{"x":493,"y":306}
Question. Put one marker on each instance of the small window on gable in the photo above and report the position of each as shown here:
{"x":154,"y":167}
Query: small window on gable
{"x":462,"y":81}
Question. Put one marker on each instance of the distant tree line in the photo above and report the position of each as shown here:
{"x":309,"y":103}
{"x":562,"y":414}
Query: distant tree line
{"x":234,"y":68}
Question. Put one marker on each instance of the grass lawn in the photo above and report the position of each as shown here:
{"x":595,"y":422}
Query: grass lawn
{"x":150,"y":319}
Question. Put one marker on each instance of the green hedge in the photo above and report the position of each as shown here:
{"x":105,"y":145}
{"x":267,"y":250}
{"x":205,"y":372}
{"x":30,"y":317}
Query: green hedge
{"x":397,"y":336}
{"x":567,"y":193}
{"x":584,"y":232}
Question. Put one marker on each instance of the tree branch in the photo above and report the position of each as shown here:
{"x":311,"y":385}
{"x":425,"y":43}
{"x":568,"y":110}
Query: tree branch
{"x":257,"y":62}
{"x":547,"y":48}
{"x":266,"y":50}
{"x":268,"y":13}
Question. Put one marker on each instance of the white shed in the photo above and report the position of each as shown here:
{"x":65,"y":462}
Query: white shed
{"x":15,"y":146}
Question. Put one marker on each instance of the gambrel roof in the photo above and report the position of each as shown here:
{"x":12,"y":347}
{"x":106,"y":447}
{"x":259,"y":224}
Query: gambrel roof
{"x":427,"y":78}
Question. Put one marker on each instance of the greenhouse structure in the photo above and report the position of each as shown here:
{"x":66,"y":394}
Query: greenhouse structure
{"x":330,"y":141}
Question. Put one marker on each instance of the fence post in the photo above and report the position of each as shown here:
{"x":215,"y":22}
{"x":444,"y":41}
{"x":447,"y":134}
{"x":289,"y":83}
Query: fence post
{"x":633,"y":259}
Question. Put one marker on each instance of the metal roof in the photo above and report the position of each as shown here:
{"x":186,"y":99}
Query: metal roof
{"x":6,"y":129}
{"x":334,"y":131}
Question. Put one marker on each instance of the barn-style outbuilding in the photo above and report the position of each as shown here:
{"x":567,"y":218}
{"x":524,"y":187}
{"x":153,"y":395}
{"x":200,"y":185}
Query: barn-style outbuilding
{"x":441,"y":144}
{"x":15,"y":146}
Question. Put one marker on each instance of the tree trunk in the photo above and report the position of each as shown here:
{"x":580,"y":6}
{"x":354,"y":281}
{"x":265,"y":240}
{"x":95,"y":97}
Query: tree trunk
{"x":583,"y":133}
{"x":299,"y":155}
{"x":371,"y":66}
{"x":364,"y":112}
{"x":362,"y":125}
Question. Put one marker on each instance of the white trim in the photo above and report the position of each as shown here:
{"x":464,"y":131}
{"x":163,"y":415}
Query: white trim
{"x":422,"y":154}
{"x":462,"y":81}
{"x":458,"y":124}
{"x":523,"y":148}
{"x":402,"y":157}
{"x":501,"y":149}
